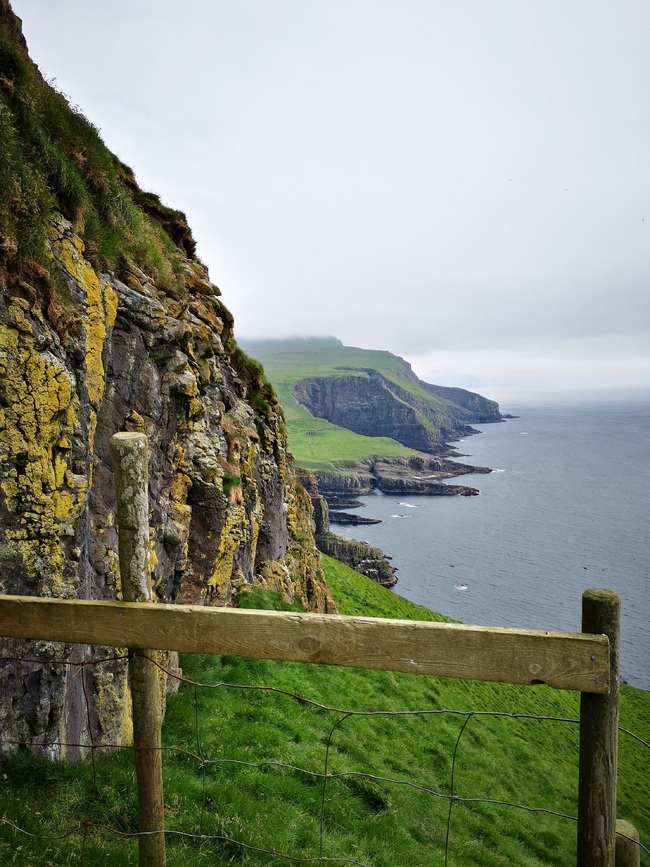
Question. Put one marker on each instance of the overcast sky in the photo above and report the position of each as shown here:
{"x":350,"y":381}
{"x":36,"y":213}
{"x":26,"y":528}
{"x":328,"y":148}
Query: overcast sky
{"x":465,"y":183}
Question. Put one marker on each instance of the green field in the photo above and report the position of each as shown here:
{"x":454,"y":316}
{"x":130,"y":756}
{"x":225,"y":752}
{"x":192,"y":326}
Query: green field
{"x":229,"y":783}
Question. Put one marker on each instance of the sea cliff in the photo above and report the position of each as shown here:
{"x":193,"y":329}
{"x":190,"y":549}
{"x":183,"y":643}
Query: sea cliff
{"x":372,"y":403}
{"x":361,"y":419}
{"x":109,"y":321}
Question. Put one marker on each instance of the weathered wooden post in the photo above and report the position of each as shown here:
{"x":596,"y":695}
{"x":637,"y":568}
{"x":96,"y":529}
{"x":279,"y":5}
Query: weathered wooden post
{"x":601,"y":613}
{"x":628,"y":851}
{"x":130,"y":463}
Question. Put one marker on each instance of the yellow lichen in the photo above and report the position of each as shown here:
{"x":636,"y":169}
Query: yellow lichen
{"x":60,"y":470}
{"x":233,"y":535}
{"x":179,"y":486}
{"x":110,"y":304}
{"x":10,"y":490}
{"x":92,"y":427}
{"x":69,"y":252}
{"x":153,"y":557}
{"x":256,"y":521}
{"x":40,"y":411}
{"x":112,"y":566}
{"x":100,"y":302}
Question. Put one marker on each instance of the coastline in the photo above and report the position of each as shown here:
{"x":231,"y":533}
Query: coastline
{"x":561,"y":512}
{"x":418,"y":474}
{"x":333,"y":494}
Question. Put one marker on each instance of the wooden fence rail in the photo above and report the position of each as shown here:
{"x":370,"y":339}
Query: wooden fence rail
{"x":563,"y":660}
{"x":586,"y":662}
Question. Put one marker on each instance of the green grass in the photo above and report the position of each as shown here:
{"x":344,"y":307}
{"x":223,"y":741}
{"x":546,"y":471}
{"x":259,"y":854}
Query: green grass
{"x":278,"y":808}
{"x":53,"y":158}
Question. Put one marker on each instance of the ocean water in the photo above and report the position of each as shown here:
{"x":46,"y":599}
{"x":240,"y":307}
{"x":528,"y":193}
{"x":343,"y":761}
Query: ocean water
{"x":567,"y":508}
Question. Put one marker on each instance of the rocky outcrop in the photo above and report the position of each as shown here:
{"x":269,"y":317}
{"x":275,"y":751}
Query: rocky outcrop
{"x":347,"y":483}
{"x":225,"y":509}
{"x":418,"y":474}
{"x":93,"y":342}
{"x":367,"y":560}
{"x":423,"y":475}
{"x":338,"y":517}
{"x":472,"y":407}
{"x":361,"y":556}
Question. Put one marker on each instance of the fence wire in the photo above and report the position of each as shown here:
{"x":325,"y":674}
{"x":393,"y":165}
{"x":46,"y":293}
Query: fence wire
{"x":324,"y":777}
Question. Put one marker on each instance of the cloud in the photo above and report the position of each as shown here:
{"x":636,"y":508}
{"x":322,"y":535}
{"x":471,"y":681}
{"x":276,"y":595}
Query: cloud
{"x":522,"y":369}
{"x":424,"y":177}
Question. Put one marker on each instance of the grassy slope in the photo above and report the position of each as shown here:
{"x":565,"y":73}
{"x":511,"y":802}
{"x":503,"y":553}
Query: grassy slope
{"x":52,"y":157}
{"x":316,"y":444}
{"x":525,"y":761}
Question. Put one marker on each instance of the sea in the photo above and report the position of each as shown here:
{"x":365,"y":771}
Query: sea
{"x":566,"y":508}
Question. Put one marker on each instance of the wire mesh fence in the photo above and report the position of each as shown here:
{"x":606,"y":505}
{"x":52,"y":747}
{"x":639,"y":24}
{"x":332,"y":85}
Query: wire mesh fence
{"x":211,"y":832}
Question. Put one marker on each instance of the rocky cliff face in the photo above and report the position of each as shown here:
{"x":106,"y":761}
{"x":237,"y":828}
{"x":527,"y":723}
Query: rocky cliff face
{"x":418,"y":474}
{"x":370,"y":561}
{"x":370,"y":403}
{"x":109,"y":322}
{"x":468,"y":406}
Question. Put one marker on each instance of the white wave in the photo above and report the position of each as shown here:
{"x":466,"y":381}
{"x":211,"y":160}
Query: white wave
{"x":461,"y":587}
{"x":408,"y":505}
{"x":400,"y":516}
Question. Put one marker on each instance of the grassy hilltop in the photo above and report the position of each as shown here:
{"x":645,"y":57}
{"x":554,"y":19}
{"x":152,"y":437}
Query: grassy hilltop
{"x":522,"y":761}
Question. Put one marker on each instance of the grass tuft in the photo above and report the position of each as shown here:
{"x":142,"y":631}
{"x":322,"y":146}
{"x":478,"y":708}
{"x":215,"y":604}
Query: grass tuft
{"x":53,"y":158}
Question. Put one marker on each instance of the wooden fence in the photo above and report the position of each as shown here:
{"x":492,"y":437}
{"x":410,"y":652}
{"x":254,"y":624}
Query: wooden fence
{"x":587,"y":661}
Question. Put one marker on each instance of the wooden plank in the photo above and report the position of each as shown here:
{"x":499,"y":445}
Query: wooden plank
{"x":562,"y":660}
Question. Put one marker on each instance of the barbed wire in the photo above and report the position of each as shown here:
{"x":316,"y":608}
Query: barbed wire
{"x":325,"y":776}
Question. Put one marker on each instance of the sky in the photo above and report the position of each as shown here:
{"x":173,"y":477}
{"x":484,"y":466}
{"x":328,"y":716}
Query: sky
{"x":465,"y":183}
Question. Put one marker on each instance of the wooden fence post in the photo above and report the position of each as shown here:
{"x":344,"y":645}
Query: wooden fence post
{"x":130,"y":464}
{"x":601,"y":613}
{"x":628,"y":851}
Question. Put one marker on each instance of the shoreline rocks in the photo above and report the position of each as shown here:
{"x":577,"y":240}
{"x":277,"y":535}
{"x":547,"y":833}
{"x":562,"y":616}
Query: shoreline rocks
{"x":337,"y":517}
{"x":418,"y":474}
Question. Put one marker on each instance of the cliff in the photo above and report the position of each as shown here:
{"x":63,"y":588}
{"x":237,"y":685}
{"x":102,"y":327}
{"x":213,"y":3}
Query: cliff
{"x":361,"y":419}
{"x":370,"y":404}
{"x":374,"y":403}
{"x":108,"y":321}
{"x":370,"y":393}
{"x":418,"y":474}
{"x":364,"y":558}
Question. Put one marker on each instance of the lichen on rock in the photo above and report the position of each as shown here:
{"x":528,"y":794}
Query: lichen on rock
{"x":91,"y":345}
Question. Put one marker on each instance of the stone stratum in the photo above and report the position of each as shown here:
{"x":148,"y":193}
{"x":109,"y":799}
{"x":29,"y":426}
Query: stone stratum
{"x":108,"y":322}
